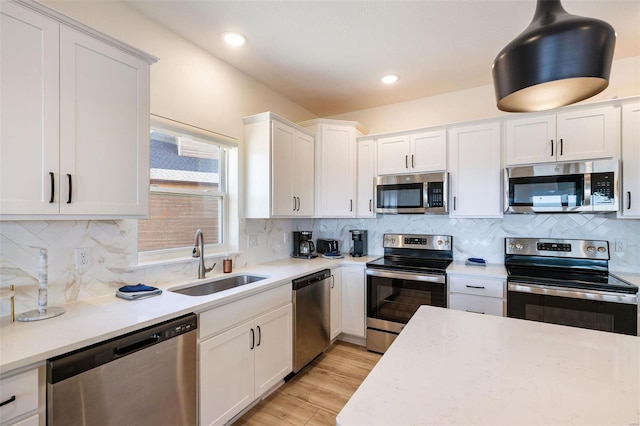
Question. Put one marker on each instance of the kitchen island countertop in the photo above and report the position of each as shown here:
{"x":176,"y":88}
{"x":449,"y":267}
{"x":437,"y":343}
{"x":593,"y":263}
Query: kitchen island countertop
{"x":454,"y":367}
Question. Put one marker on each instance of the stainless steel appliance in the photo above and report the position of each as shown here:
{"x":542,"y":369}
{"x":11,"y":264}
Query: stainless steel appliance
{"x":568,"y":282}
{"x":147,"y":377}
{"x":589,"y":186}
{"x":303,"y":246}
{"x":311,"y":319}
{"x":411,"y":273}
{"x":327,"y":245}
{"x":412,"y":193}
{"x":359,"y":241}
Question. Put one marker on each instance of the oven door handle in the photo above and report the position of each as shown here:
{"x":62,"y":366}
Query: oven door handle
{"x":410,"y":276}
{"x":596,"y":295}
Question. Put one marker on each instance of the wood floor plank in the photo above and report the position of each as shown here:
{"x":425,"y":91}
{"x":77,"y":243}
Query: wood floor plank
{"x":287,"y":408}
{"x":322,"y":418}
{"x":318,"y":392}
{"x":316,"y":396}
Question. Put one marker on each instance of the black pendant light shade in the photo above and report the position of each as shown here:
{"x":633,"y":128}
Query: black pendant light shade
{"x":559,"y":59}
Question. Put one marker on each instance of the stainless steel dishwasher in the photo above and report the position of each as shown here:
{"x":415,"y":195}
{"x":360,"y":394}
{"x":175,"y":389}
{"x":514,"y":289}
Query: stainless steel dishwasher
{"x":311,"y":317}
{"x":147,"y":377}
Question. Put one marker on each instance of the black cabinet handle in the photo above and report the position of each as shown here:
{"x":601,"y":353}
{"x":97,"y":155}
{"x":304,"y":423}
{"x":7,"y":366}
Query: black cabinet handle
{"x":474,"y":312}
{"x":406,"y":161}
{"x":8,"y":401}
{"x":480,"y":287}
{"x":351,"y":205}
{"x":70,"y":189}
{"x":53,"y":187}
{"x":370,"y":203}
{"x":628,"y":200}
{"x":561,"y":146}
{"x":552,"y":147}
{"x":412,"y":162}
{"x":259,"y":336}
{"x":333,"y":281}
{"x":253,"y":339}
{"x":454,"y":203}
{"x":298,"y":203}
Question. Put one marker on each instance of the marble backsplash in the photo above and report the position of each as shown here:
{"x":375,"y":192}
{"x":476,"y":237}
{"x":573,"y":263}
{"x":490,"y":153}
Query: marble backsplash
{"x":113,"y":246}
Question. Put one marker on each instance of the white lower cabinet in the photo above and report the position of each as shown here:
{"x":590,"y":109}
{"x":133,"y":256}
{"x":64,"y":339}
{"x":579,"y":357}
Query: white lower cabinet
{"x":353,"y":300}
{"x":22,"y":398}
{"x":241,"y":364}
{"x":477,"y":294}
{"x":335,"y":307}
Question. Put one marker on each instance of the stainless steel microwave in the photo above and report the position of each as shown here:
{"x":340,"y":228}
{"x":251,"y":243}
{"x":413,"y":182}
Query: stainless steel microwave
{"x":588,"y":186}
{"x":412,"y":193}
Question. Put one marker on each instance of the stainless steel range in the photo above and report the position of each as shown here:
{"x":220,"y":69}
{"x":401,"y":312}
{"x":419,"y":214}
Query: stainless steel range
{"x":568,"y":282}
{"x":411,"y":273}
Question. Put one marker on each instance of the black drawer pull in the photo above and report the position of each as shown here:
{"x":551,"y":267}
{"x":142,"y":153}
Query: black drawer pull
{"x":8,"y":401}
{"x":53,"y":187}
{"x":480,"y":287}
{"x":474,"y":312}
{"x":70,"y":189}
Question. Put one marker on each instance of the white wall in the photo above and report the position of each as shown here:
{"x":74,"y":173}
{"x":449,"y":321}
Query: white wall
{"x":474,"y":104}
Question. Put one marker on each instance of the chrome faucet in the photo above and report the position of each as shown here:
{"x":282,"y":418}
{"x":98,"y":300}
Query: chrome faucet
{"x":198,"y":251}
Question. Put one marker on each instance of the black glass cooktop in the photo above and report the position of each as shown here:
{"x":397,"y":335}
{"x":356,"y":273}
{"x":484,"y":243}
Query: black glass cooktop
{"x":585,"y":280}
{"x":410,"y":264}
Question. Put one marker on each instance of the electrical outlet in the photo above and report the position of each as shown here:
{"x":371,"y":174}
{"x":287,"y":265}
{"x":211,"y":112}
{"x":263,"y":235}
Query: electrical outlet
{"x":285,"y":237}
{"x":82,"y":258}
{"x":621,"y":244}
{"x":253,"y":241}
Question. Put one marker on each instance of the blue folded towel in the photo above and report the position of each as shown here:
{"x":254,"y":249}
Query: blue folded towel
{"x":475,"y":261}
{"x":136,"y":288}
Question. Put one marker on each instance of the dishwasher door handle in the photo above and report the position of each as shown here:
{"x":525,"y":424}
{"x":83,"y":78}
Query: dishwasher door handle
{"x":133,"y":347}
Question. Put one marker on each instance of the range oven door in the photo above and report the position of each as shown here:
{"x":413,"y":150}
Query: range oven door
{"x":596,"y":310}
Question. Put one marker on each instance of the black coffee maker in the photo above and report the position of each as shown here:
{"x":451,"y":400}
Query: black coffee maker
{"x":303,"y":246}
{"x":359,"y":238}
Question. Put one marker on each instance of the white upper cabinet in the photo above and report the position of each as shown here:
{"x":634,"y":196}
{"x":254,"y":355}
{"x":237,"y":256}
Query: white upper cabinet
{"x":75,"y":120}
{"x":279,"y":168}
{"x":335,"y":166}
{"x":412,"y":153}
{"x":366,"y":174}
{"x":630,"y":161}
{"x":474,"y":170}
{"x":568,"y":136}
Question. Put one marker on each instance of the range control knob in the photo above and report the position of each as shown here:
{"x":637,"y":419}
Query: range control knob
{"x":519,"y":246}
{"x":591,"y":249}
{"x":439,"y":242}
{"x":511,"y":246}
{"x":602,"y":249}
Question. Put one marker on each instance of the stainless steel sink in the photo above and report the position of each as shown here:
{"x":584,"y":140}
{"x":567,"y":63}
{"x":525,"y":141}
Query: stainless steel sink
{"x":216,"y":285}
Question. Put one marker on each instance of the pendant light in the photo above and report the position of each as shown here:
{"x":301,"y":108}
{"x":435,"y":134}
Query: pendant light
{"x":559,"y":59}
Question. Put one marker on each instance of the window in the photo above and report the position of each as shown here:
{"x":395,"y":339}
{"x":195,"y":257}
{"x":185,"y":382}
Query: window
{"x":189,"y":176}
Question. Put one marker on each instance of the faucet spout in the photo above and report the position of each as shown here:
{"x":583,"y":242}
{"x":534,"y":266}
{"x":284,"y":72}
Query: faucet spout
{"x":198,"y":251}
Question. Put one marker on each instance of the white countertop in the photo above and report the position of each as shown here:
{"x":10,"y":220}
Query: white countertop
{"x":94,"y":320}
{"x":454,"y":367}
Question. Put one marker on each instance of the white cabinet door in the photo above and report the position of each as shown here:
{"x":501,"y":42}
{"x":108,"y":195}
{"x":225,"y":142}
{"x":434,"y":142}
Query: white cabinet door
{"x":104,"y":122}
{"x":587,"y":134}
{"x":29,"y":112}
{"x":429,"y":151}
{"x":631,"y":161}
{"x":531,"y":140}
{"x":393,"y":154}
{"x":474,"y":168}
{"x":283,"y":168}
{"x":336,"y":302}
{"x":366,"y":175}
{"x":353,"y":300}
{"x":226,"y":365}
{"x":303,"y":183}
{"x":337,"y":176}
{"x":104,"y":128}
{"x":273,"y":348}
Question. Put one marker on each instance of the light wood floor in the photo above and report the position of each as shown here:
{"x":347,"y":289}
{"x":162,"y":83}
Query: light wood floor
{"x":318,"y":392}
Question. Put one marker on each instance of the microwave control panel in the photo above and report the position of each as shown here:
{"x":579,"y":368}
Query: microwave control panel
{"x":602,"y":188}
{"x":435,"y":192}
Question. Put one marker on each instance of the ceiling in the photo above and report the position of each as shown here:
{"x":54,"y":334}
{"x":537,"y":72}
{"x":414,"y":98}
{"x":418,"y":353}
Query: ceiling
{"x":328,"y":56}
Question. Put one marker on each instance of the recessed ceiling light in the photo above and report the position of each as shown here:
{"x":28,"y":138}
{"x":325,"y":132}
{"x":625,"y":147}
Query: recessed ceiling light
{"x":234,"y":39}
{"x":389,"y":79}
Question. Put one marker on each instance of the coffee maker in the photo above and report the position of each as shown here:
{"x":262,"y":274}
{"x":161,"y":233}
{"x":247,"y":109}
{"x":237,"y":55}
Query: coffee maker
{"x":303,"y":246}
{"x":359,"y":238}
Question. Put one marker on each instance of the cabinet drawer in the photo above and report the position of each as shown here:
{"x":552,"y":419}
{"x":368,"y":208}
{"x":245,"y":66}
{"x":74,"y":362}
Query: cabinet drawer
{"x":223,"y":317}
{"x":477,"y":286}
{"x":478,"y":304}
{"x":22,"y":391}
